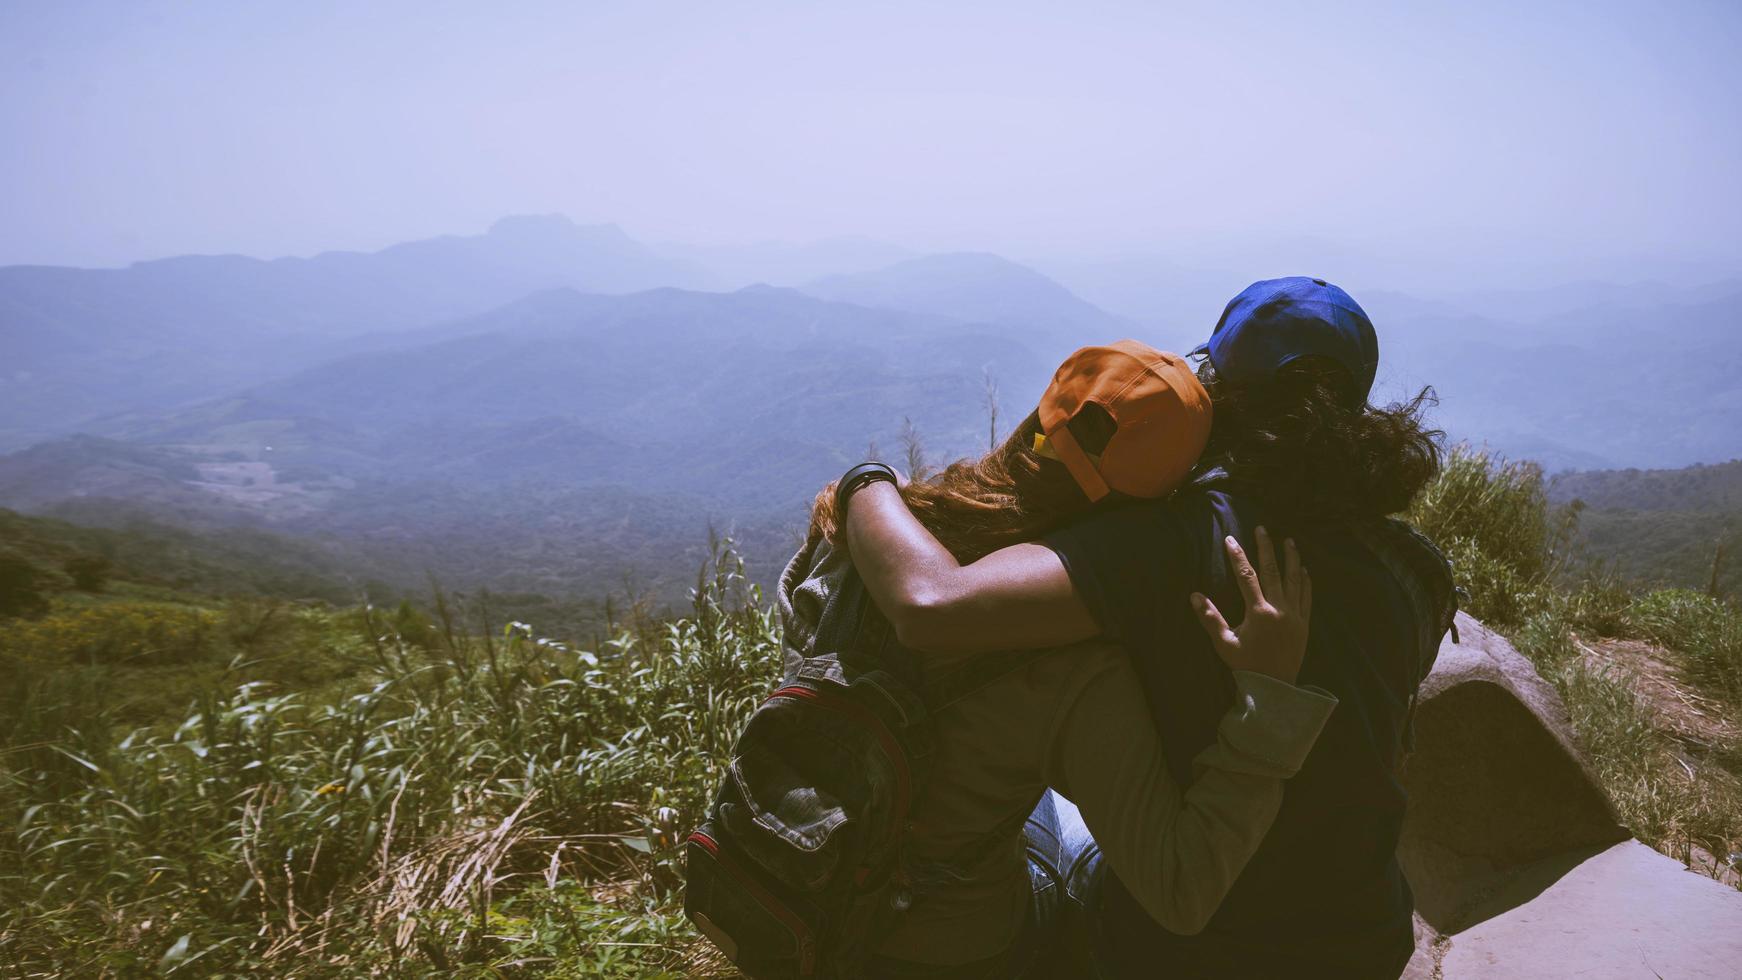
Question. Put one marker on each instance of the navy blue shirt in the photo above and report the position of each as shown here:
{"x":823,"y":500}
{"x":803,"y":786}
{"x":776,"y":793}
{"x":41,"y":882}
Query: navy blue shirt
{"x":1324,"y":887}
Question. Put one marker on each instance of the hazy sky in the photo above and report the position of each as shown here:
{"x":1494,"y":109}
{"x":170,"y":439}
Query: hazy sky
{"x":1588,"y":136}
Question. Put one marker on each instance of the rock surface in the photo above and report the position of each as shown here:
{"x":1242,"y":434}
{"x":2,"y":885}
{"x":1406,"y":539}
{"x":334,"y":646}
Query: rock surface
{"x":1519,"y":864}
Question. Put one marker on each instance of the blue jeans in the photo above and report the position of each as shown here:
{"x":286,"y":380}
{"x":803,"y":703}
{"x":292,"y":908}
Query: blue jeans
{"x":1061,"y":845}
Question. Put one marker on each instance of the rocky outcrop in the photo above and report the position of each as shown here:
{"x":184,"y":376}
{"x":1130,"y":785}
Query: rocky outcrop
{"x":1519,"y":864}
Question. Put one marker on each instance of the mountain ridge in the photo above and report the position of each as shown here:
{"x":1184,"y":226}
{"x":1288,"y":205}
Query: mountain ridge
{"x":83,"y":343}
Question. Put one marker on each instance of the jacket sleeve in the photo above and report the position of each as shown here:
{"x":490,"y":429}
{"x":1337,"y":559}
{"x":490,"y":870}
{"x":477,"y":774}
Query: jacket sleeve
{"x":1179,"y":852}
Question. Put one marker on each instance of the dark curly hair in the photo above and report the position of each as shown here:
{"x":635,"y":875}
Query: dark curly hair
{"x":1308,"y":450}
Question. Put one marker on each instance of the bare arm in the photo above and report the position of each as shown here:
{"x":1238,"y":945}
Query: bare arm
{"x":1017,"y":598}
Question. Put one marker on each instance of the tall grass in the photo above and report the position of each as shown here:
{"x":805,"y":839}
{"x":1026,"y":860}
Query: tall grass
{"x":494,"y":804}
{"x":1491,"y":517}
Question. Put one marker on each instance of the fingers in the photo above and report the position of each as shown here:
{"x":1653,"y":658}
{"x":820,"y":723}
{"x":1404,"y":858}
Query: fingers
{"x":1268,"y":576}
{"x":1291,"y":572}
{"x":1210,"y":618}
{"x":1244,"y":576}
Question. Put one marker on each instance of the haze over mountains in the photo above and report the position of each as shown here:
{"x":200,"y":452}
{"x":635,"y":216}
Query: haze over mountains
{"x":548,"y":403}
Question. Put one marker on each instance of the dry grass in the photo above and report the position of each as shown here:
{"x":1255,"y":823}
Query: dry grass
{"x":1670,"y":756}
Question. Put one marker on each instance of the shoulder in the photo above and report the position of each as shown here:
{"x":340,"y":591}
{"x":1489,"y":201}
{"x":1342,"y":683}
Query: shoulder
{"x":812,"y":578}
{"x":1126,"y":525}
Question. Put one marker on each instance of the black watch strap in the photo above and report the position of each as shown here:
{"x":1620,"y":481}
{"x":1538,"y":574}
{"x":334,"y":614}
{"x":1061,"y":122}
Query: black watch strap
{"x":856,"y":479}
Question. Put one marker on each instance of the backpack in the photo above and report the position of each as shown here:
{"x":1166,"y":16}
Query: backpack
{"x":798,"y":869}
{"x":1427,"y":578}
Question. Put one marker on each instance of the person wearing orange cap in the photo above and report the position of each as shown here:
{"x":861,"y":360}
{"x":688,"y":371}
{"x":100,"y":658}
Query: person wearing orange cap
{"x":1121,"y":421}
{"x":1294,"y":445}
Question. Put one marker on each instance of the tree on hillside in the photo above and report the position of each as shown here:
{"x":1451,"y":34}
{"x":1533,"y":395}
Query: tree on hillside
{"x":20,"y":588}
{"x":990,"y":399}
{"x":88,"y":572}
{"x":913,"y":450}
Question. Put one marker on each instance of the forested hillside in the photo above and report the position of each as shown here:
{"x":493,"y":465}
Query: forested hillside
{"x":1714,"y":489}
{"x":124,"y":554}
{"x":1671,"y":527}
{"x":46,"y":556}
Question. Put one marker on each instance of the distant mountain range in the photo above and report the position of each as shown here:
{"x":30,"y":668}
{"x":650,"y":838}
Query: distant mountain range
{"x":977,"y":287}
{"x":550,"y":403}
{"x":79,"y":344}
{"x":563,"y":437}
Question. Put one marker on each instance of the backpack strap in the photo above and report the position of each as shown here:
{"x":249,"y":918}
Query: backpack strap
{"x":1425,"y":574}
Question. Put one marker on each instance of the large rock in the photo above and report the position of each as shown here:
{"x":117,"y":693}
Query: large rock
{"x":1496,"y":781}
{"x":1519,"y":864}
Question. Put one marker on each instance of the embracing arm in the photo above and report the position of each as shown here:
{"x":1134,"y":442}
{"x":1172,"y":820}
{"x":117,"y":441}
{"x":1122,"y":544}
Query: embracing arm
{"x":1016,"y":598}
{"x":1180,"y":852}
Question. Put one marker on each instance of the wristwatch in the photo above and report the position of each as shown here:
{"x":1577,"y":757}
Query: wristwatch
{"x":857,"y":479}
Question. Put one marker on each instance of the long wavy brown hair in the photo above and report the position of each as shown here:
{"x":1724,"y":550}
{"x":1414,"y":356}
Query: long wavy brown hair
{"x":976,"y":506}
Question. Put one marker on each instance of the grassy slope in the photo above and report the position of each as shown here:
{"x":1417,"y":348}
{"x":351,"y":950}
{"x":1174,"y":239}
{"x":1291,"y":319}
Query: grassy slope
{"x":479,"y":802}
{"x":451,"y":798}
{"x":157,"y":559}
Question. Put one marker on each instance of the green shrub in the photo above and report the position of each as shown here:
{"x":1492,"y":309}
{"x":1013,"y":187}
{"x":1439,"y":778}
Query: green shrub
{"x":21,"y":592}
{"x":1547,"y":638}
{"x":117,"y":632}
{"x":1497,"y":505}
{"x":89,"y":573}
{"x":1601,"y":604}
{"x":1491,"y":517}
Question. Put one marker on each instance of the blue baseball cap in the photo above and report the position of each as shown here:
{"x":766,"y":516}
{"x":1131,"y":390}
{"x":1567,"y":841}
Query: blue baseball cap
{"x":1277,"y":321}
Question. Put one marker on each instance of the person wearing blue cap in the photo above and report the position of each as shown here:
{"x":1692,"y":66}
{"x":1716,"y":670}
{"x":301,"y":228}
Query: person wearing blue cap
{"x":1276,"y":322}
{"x":1294,"y":446}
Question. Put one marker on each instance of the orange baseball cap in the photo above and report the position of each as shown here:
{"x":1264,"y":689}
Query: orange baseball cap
{"x":1125,"y":417}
